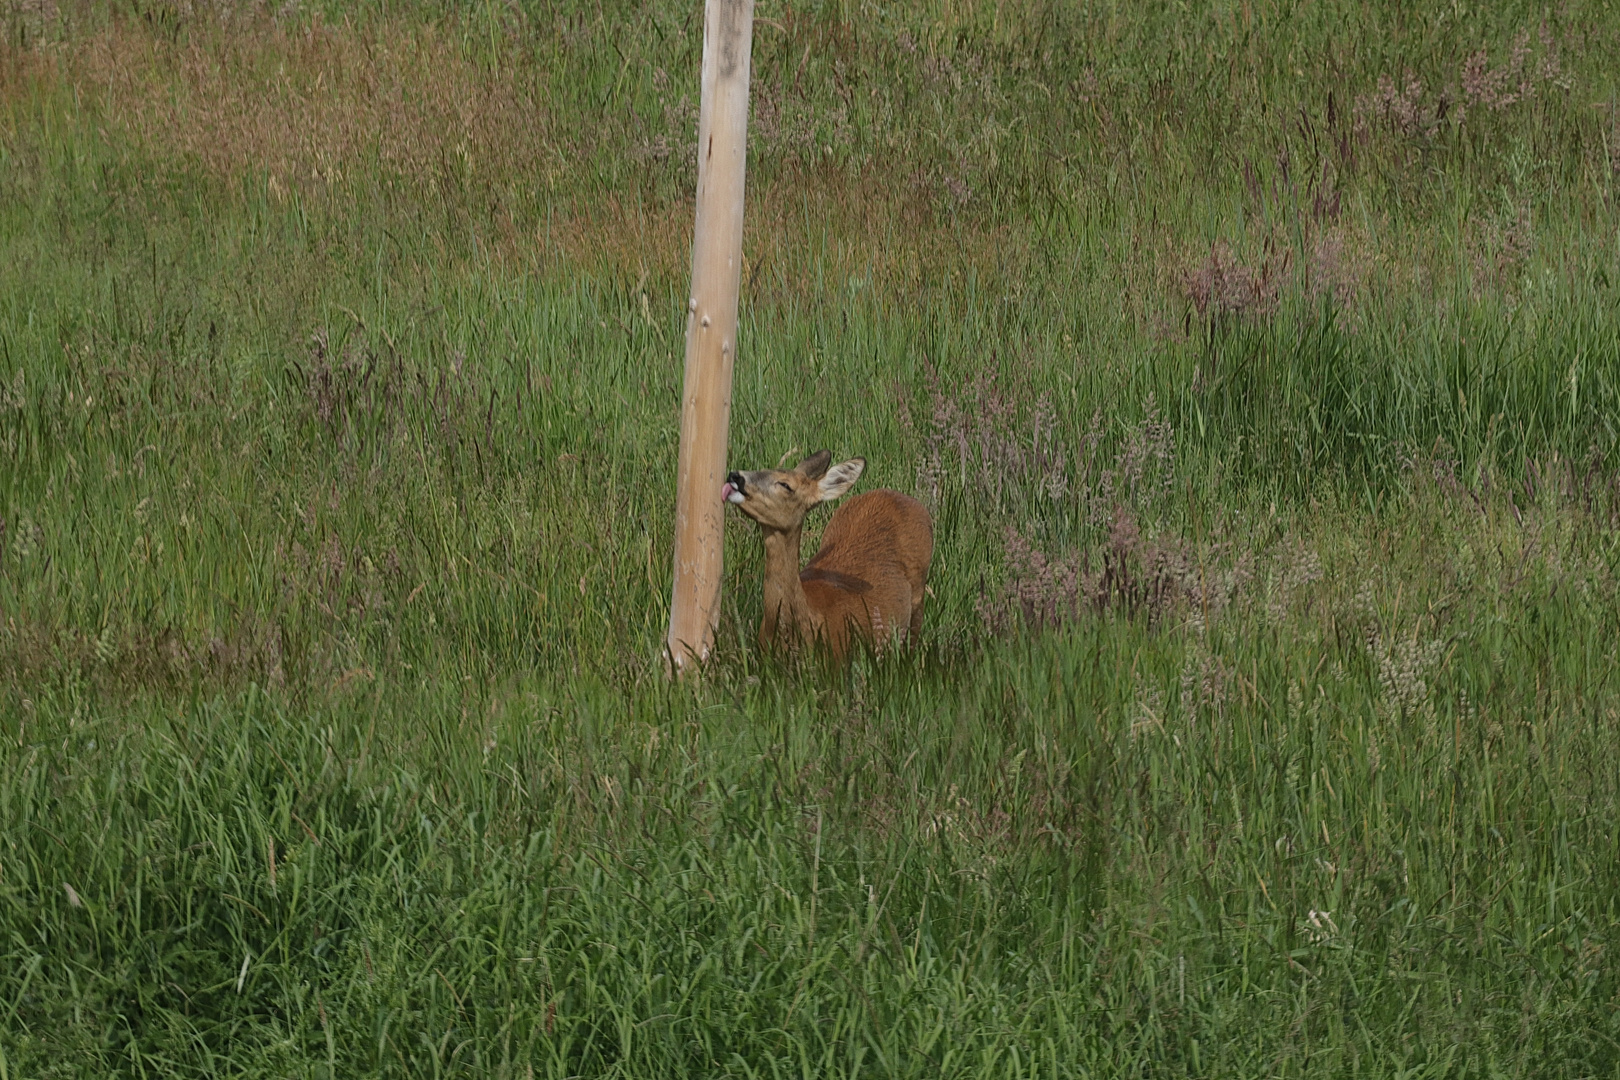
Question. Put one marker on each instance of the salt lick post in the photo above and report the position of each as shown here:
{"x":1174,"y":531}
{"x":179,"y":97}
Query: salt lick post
{"x":711,"y":331}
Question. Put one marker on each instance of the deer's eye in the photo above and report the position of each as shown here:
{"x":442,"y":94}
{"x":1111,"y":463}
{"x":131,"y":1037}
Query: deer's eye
{"x":785,"y":486}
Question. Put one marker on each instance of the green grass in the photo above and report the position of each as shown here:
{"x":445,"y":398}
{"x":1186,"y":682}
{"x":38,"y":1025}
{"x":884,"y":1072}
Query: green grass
{"x":339,"y":359}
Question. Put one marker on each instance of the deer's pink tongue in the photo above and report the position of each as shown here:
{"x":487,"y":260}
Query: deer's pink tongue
{"x":726,"y":491}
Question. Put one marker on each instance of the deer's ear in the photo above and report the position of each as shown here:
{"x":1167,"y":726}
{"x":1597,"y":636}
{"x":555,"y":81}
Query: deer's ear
{"x":840,"y":478}
{"x":814,"y":466}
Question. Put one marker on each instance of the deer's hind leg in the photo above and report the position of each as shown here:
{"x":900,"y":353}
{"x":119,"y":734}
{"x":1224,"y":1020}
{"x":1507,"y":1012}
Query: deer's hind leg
{"x":914,"y":629}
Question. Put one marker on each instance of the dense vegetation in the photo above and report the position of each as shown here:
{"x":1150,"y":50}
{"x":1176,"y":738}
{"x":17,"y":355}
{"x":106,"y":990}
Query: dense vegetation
{"x":1260,"y":363}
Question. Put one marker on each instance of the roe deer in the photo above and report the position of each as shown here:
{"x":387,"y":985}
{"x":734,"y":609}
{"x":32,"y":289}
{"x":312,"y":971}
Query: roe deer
{"x":872,"y":568}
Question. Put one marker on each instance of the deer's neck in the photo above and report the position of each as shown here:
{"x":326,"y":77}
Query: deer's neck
{"x":787,"y":610}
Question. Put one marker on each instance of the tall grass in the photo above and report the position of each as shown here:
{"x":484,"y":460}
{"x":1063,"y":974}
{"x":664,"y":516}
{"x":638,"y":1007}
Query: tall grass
{"x":1258,"y":364}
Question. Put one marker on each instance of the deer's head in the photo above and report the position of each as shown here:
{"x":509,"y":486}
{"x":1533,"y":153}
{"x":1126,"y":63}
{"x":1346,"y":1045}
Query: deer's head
{"x":779,"y":500}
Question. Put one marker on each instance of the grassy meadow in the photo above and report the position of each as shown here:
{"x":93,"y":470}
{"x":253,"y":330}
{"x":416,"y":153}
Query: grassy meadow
{"x":1260,"y":363}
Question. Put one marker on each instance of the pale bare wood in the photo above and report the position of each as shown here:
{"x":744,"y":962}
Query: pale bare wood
{"x":711,"y":330}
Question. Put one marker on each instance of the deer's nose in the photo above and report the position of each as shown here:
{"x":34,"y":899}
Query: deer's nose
{"x":736,"y":480}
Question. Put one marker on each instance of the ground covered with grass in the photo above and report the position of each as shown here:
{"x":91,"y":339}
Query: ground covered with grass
{"x":1260,"y":364}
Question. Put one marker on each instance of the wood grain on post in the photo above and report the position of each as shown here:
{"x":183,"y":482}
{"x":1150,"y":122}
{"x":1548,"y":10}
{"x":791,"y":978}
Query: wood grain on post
{"x":711,"y":330}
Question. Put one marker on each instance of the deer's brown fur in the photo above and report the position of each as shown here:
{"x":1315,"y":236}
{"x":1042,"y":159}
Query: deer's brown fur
{"x":868,"y":579}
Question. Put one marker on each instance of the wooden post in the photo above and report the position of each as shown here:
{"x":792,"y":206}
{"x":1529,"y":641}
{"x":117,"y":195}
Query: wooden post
{"x":711,"y":330}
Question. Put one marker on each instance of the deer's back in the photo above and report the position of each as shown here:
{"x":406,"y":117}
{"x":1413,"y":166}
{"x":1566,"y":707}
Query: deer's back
{"x":877,"y":533}
{"x":872,"y":566}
